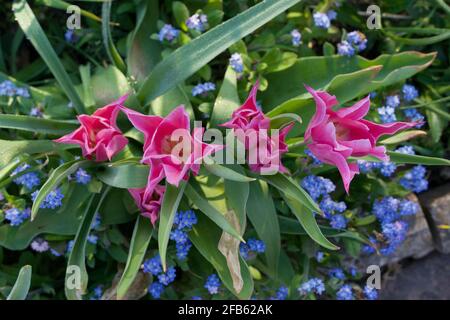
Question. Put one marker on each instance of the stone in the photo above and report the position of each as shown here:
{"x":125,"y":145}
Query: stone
{"x":436,"y":204}
{"x":424,"y":279}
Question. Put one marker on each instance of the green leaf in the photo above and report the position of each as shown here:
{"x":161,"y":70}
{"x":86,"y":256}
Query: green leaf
{"x":347,"y":78}
{"x":55,"y":178}
{"x":140,"y":240}
{"x":10,"y":149}
{"x":37,"y":125}
{"x":22,"y":285}
{"x":227,"y":173}
{"x":308,"y":222}
{"x":227,"y":100}
{"x":144,"y":53}
{"x":398,"y":157}
{"x":236,"y":193}
{"x":180,"y":13}
{"x":76,"y":262}
{"x":173,"y":98}
{"x":403,"y":136}
{"x":111,"y":50}
{"x":287,"y":186}
{"x":212,"y":213}
{"x":62,"y":221}
{"x":420,"y":41}
{"x":263,"y":216}
{"x":294,"y":227}
{"x":205,"y":236}
{"x":126,"y":176}
{"x":32,"y":29}
{"x":62,"y":5}
{"x":109,"y":84}
{"x":189,"y":58}
{"x":169,"y":207}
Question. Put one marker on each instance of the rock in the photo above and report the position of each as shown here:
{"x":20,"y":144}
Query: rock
{"x":436,"y":204}
{"x":424,"y":279}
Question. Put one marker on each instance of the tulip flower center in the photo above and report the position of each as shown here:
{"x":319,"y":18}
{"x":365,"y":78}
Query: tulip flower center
{"x":177,"y":148}
{"x":342,"y":132}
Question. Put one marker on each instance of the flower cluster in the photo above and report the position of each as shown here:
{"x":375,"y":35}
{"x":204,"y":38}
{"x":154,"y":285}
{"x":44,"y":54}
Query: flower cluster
{"x":321,"y":20}
{"x":355,"y":42}
{"x":212,"y":284}
{"x":313,"y":285}
{"x":281,"y":294}
{"x":52,"y":200}
{"x":153,"y":267}
{"x":82,"y":177}
{"x":236,"y":62}
{"x":40,"y":245}
{"x":29,"y":180}
{"x":387,"y":112}
{"x":414,"y":179}
{"x":203,"y":88}
{"x":389,"y":211}
{"x":345,"y":292}
{"x":168,"y":32}
{"x":251,"y":248}
{"x":184,"y":221}
{"x":319,"y":188}
{"x":296,"y":37}
{"x":197,"y":22}
{"x":16,"y":217}
{"x":9,"y":89}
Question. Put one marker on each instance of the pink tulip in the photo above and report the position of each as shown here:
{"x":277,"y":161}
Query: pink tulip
{"x":149,"y":201}
{"x":249,"y":115}
{"x":169,"y":148}
{"x":98,"y":134}
{"x":333,"y":136}
{"x":264,"y":151}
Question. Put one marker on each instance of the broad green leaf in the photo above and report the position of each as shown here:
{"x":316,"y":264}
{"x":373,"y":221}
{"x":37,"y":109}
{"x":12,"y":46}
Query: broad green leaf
{"x":88,"y":95}
{"x":210,"y":211}
{"x":173,"y":98}
{"x":386,"y":70}
{"x":32,"y":29}
{"x":22,"y":285}
{"x":77,"y":255}
{"x":169,"y":207}
{"x":403,"y":136}
{"x":61,"y":221}
{"x":227,"y":100}
{"x":398,"y":157}
{"x":126,"y":176}
{"x":227,"y":173}
{"x":118,"y":207}
{"x":236,"y":193}
{"x":205,"y":236}
{"x":263,"y":216}
{"x":37,"y":125}
{"x":288,"y":186}
{"x":347,"y":78}
{"x":10,"y":149}
{"x":109,"y":84}
{"x":111,"y":50}
{"x":140,"y":240}
{"x":306,"y":218}
{"x":144,"y":53}
{"x":189,"y":58}
{"x":55,"y":178}
{"x":180,"y":13}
